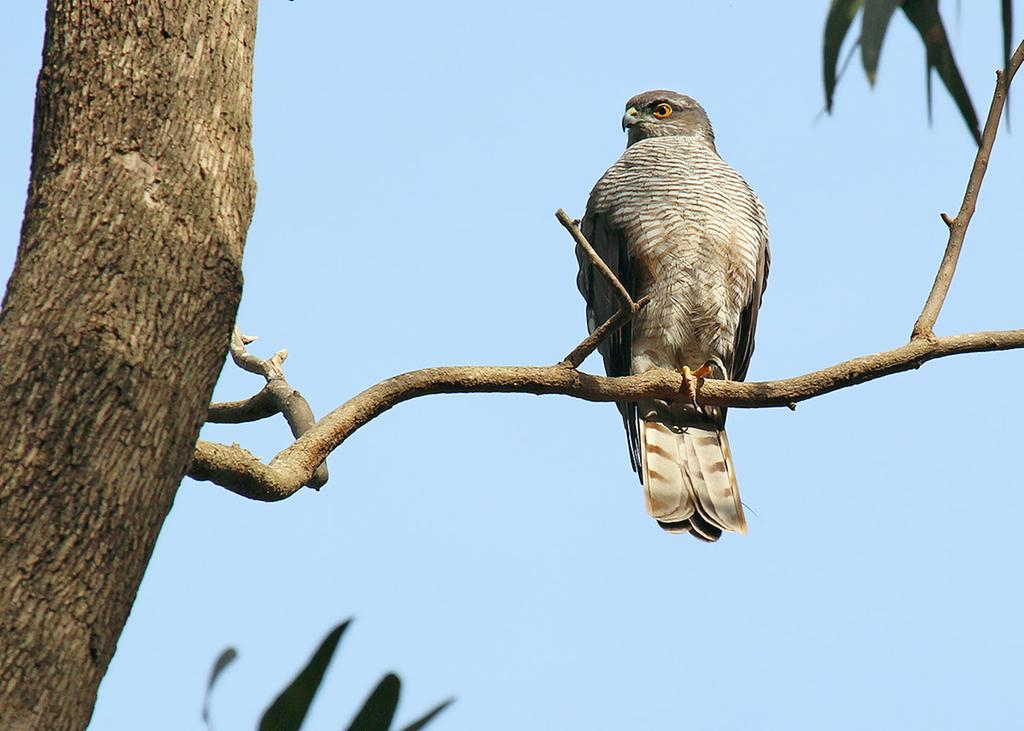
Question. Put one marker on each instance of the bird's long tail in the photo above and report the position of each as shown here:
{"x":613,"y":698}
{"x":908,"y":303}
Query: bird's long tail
{"x":689,"y":481}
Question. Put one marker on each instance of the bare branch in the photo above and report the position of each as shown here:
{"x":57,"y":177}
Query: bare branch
{"x":241,"y":472}
{"x":261,"y":406}
{"x":277,"y":397}
{"x":958,"y":226}
{"x":598,"y":262}
{"x":269,"y":368}
{"x":627,"y":309}
{"x":590,"y":343}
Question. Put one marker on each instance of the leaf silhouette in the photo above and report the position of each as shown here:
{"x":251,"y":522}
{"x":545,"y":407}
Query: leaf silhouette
{"x":223,"y":660}
{"x":289,"y":709}
{"x":874,"y":24}
{"x":837,"y":24}
{"x":430,"y":716}
{"x":379,"y":709}
{"x":924,"y":15}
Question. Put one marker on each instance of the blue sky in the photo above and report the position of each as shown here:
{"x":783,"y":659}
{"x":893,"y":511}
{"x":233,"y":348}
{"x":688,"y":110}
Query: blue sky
{"x":494,"y":547}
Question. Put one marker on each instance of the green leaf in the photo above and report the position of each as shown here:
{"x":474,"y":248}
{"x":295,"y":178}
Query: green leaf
{"x":1007,"y":31}
{"x":840,"y":17}
{"x":419,"y":724}
{"x":226,"y":658}
{"x":1007,"y":48}
{"x":289,"y":709}
{"x":379,"y":709}
{"x":874,"y":24}
{"x":924,"y":15}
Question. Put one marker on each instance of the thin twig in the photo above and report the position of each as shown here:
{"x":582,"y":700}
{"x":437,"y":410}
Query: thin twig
{"x":574,"y":230}
{"x":239,"y":471}
{"x":613,"y":323}
{"x":627,"y":307}
{"x":269,"y":368}
{"x":261,"y":406}
{"x":958,"y":226}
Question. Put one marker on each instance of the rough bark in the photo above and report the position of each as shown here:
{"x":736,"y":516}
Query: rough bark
{"x":115,"y":323}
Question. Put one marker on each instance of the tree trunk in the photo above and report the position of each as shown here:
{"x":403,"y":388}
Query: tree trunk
{"x":115,"y":323}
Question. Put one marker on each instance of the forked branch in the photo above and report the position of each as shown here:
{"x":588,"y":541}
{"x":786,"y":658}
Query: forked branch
{"x":276,"y":397}
{"x":627,"y":307}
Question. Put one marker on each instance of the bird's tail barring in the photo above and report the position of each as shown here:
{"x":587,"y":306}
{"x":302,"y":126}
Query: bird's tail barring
{"x":689,"y":481}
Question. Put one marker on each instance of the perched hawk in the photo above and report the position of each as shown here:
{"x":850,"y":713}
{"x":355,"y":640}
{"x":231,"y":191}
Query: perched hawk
{"x":675,"y":222}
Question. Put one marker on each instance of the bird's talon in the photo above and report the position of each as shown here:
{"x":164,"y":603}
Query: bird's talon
{"x":690,"y":385}
{"x":703,"y":372}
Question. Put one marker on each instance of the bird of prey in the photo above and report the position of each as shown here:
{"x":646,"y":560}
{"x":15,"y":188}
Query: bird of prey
{"x":674,"y":222}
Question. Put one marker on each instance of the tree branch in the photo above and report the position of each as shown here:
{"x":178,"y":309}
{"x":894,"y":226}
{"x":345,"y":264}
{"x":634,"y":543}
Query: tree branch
{"x":236,"y":469}
{"x":958,"y":226}
{"x":627,"y":309}
{"x":581,"y":241}
{"x":261,"y":406}
{"x":277,"y":397}
{"x":590,"y":343}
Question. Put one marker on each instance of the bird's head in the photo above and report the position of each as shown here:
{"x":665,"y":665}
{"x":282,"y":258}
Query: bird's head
{"x":665,"y":114}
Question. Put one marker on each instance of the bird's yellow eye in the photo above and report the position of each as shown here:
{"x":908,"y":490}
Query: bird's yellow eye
{"x":662,"y":111}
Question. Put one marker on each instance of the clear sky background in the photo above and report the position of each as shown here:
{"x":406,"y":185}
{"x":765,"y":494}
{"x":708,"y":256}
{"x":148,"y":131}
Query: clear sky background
{"x":495,"y":547}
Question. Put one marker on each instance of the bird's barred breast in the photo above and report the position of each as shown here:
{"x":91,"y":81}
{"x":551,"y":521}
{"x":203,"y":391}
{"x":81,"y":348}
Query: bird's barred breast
{"x":694,"y":229}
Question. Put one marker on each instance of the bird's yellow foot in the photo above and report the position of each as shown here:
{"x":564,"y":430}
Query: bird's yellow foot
{"x":690,"y":382}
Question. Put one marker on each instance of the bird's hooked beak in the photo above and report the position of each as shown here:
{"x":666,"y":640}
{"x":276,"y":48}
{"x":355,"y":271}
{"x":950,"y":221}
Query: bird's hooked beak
{"x":631,"y":117}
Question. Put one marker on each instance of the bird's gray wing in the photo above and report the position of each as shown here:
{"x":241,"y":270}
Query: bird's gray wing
{"x":611,"y":245}
{"x":744,"y":347}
